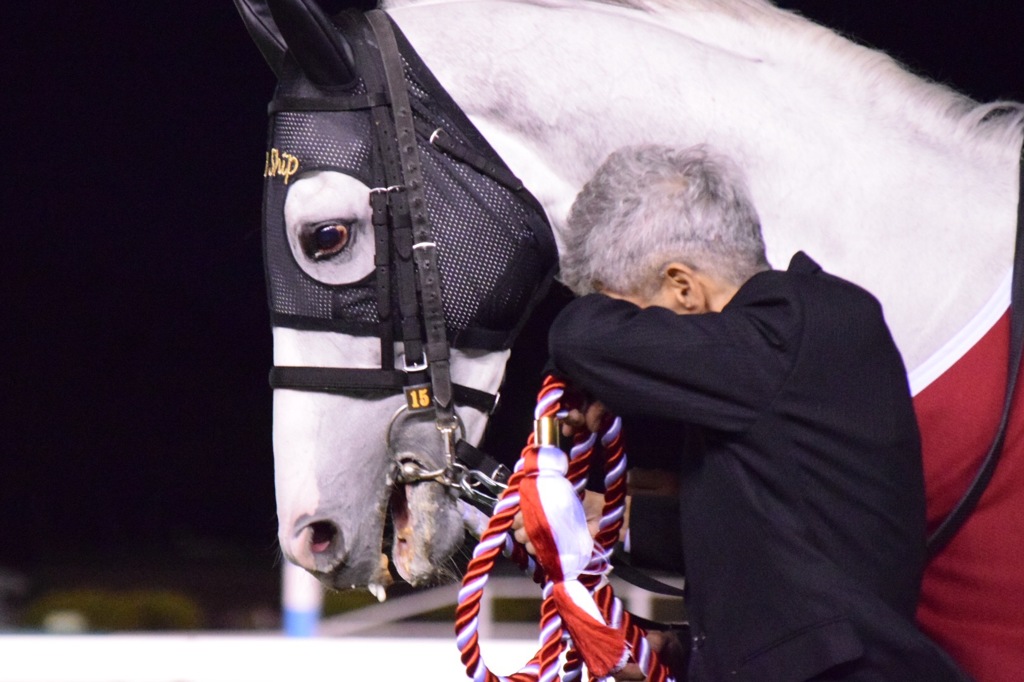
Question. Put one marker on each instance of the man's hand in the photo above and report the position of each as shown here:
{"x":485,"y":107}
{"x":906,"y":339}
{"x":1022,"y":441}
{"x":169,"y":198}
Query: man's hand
{"x":673,"y":653}
{"x":590,"y":418}
{"x":593,"y":505}
{"x":649,"y":481}
{"x":519,"y":533}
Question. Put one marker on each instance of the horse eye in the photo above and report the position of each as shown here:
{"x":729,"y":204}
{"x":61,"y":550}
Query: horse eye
{"x":327,"y":240}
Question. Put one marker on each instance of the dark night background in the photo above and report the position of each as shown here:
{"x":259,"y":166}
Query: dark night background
{"x":136,"y":413}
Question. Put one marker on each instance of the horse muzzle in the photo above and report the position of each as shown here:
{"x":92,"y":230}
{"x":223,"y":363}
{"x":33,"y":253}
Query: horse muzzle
{"x":427,"y":523}
{"x":340,"y":557}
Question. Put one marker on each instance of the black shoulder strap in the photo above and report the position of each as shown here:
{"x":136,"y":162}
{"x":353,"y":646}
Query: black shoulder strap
{"x":956,"y":518}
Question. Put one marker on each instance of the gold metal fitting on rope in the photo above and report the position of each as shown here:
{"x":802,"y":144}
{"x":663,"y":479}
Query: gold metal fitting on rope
{"x":547,"y":431}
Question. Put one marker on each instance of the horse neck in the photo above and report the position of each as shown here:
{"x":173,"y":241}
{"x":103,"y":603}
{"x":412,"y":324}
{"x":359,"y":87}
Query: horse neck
{"x":572,"y":81}
{"x":843,"y":150}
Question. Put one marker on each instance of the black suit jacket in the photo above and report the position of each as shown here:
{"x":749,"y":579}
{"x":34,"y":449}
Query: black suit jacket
{"x":802,"y":496}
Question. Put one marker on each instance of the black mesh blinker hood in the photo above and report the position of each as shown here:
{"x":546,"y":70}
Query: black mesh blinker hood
{"x":496,"y":252}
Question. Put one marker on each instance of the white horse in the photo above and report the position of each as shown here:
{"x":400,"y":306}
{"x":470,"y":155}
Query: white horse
{"x":888,"y":180}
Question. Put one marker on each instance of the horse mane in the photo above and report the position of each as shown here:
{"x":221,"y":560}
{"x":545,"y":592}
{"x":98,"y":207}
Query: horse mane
{"x":790,"y":39}
{"x":760,"y":30}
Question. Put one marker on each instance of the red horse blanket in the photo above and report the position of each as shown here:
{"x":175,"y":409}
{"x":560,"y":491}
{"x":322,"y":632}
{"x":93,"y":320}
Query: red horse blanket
{"x":972,"y":599}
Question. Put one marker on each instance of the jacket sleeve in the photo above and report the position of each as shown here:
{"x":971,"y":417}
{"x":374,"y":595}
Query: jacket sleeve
{"x":717,"y":370}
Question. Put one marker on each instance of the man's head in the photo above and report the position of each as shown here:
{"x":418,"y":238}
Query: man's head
{"x":663,"y":226}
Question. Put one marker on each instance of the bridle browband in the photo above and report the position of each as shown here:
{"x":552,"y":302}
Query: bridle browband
{"x":406,"y":258}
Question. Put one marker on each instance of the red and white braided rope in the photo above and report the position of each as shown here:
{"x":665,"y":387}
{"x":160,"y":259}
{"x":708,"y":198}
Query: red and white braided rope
{"x":578,"y":604}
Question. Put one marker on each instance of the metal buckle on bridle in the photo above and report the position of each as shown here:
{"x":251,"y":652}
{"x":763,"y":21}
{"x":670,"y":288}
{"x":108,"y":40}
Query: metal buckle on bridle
{"x":411,"y":472}
{"x":413,"y":367}
{"x":447,"y":427}
{"x":477,"y":487}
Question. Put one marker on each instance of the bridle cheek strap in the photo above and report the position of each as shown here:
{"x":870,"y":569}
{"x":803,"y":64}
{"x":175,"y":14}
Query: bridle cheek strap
{"x":424,"y":248}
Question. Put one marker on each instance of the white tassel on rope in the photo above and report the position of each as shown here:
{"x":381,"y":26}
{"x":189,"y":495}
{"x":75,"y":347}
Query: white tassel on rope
{"x":567,"y":522}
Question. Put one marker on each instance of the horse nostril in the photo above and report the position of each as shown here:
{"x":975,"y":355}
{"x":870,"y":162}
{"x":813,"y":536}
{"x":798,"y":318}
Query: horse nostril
{"x":323,"y":535}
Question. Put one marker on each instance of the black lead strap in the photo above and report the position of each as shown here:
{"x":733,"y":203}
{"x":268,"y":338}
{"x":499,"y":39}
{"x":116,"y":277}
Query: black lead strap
{"x":956,"y":518}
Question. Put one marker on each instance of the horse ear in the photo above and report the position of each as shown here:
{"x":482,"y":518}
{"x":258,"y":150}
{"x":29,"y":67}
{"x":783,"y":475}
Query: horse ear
{"x":315,"y":42}
{"x":264,"y":32}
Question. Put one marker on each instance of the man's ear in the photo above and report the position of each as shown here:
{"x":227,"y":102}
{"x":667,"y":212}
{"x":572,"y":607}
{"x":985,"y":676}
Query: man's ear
{"x":684,"y":289}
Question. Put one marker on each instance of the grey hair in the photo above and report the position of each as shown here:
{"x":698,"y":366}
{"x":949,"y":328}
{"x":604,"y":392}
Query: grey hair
{"x":649,"y":205}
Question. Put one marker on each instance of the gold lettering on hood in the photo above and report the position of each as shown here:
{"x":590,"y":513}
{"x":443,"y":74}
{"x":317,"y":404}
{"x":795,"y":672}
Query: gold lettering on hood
{"x":281,"y":164}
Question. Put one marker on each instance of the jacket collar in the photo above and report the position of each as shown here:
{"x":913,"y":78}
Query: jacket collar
{"x":803,"y":264}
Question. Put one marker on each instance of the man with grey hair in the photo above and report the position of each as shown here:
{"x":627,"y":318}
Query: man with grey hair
{"x":784,"y":412}
{"x":649,"y":206}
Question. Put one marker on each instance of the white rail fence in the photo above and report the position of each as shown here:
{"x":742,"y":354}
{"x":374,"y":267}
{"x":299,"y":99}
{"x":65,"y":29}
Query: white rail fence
{"x":376,"y":643}
{"x":241,"y":658}
{"x":387,"y":619}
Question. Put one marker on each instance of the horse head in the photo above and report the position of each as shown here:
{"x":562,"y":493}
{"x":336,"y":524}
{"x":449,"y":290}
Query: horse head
{"x":376,"y":380}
